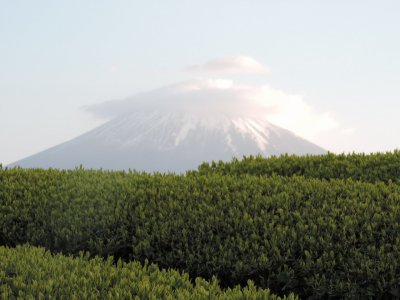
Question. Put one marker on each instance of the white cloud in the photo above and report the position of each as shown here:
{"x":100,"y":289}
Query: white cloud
{"x":219,"y":96}
{"x":230,"y":65}
{"x":348,"y":131}
{"x":293,"y":113}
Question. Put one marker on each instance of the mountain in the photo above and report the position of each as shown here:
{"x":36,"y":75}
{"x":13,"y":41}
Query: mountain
{"x":170,"y":140}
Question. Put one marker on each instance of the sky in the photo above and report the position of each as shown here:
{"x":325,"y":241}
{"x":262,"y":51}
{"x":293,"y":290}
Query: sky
{"x":330,"y":68}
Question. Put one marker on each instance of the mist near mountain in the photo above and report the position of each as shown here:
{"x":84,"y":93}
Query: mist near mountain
{"x":176,"y":128}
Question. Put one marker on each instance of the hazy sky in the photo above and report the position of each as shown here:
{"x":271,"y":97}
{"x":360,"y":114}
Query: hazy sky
{"x":331,"y":67}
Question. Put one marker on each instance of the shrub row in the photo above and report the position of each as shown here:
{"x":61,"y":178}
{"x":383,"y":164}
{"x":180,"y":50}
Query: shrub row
{"x":33,"y":273}
{"x":364,"y":167}
{"x":319,"y":238}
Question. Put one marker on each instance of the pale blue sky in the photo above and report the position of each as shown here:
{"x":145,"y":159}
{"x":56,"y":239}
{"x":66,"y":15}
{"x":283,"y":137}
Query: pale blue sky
{"x":342,"y":57}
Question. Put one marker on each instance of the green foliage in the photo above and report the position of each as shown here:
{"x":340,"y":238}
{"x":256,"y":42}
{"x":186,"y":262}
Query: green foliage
{"x":315,"y":238}
{"x":32,"y":273}
{"x":371,"y":168}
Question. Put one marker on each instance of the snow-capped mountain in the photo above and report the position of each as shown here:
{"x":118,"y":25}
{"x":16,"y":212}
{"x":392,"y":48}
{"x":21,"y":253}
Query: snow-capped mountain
{"x":176,"y":142}
{"x":177,"y":128}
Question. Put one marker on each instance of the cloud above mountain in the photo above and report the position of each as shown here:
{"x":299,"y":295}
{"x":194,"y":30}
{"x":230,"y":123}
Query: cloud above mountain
{"x":221,"y":96}
{"x":230,"y":65}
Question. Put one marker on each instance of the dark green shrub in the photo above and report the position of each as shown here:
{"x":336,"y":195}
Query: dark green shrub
{"x":371,"y":168}
{"x":337,"y":238}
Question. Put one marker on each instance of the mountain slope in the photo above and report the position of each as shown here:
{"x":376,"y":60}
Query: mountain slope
{"x":170,"y":141}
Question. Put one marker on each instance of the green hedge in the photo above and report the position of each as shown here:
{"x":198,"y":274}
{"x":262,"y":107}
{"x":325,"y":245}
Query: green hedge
{"x":364,"y":167}
{"x":33,"y":273}
{"x":307,"y":236}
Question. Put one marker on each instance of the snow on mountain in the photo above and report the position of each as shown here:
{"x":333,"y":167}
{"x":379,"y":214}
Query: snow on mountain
{"x":176,"y":142}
